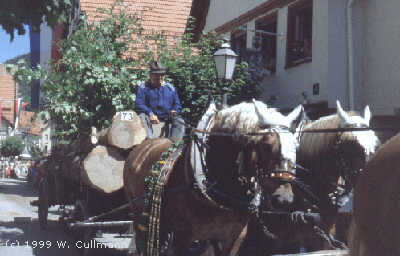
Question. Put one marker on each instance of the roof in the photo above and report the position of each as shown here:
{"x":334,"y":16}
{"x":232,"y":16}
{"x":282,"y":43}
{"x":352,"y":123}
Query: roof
{"x":169,"y":16}
{"x":29,"y":123}
{"x":7,"y":94}
{"x":199,"y":11}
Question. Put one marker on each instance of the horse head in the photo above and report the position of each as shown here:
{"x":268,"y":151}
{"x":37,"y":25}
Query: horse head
{"x":355,"y":147}
{"x":251,"y":153}
{"x":277,"y":154}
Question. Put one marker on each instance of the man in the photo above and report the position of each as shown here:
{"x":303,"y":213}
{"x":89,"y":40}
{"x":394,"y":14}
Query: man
{"x":157,"y":101}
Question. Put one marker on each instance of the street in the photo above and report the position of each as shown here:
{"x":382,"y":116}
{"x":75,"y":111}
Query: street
{"x":19,"y":228}
{"x":21,"y":235}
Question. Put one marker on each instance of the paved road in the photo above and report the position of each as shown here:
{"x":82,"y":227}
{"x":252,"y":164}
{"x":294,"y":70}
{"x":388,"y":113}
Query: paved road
{"x":19,"y":228}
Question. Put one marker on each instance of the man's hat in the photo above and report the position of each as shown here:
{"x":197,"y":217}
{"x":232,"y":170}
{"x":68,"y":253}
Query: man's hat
{"x":157,"y":68}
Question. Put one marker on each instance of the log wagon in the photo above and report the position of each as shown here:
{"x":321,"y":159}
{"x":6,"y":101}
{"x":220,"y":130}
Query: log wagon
{"x":85,"y":178}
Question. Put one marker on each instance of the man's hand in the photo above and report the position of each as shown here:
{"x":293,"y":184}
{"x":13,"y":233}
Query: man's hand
{"x":154,"y":119}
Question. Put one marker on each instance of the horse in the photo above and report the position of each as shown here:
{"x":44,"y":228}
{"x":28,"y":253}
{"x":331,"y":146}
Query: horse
{"x":375,"y":228}
{"x":213,"y":196}
{"x":330,"y":161}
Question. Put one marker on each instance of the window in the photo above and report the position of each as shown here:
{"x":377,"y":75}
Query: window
{"x":299,"y":33}
{"x":238,"y":43}
{"x":267,"y":42}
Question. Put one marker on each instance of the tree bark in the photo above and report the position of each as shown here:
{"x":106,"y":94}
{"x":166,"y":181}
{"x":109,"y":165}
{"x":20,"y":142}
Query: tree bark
{"x":103,"y":169}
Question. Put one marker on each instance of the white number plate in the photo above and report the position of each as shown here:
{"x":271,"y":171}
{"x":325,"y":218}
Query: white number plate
{"x":126,"y":116}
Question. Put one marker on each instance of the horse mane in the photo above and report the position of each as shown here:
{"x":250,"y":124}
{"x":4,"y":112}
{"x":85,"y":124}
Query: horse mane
{"x":317,"y":150}
{"x":240,"y":118}
{"x":319,"y":142}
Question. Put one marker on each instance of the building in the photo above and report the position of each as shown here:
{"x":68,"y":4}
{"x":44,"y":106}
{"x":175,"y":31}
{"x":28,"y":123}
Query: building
{"x":324,"y":49}
{"x":28,"y":129}
{"x":8,"y":92}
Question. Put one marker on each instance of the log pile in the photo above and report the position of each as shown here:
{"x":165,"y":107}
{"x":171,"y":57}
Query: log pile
{"x":99,"y":161}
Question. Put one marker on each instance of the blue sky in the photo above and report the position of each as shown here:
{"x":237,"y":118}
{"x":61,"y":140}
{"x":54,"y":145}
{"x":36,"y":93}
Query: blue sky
{"x":9,"y":50}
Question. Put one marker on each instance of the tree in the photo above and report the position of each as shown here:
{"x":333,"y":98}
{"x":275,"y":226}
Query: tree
{"x":11,"y":146}
{"x":35,"y":151}
{"x":24,"y":89}
{"x":96,"y":77}
{"x":15,"y":13}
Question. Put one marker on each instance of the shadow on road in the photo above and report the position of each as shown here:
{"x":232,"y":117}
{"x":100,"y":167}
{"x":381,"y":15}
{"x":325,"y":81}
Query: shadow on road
{"x":55,"y":241}
{"x":43,"y":242}
{"x":17,"y":187}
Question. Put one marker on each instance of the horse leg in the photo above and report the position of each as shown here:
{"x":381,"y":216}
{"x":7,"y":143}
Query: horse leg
{"x":357,"y":245}
{"x":231,"y":245}
{"x":181,"y":243}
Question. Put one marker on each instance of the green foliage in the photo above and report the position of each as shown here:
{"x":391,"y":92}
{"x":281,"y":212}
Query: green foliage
{"x":96,"y":77}
{"x":12,"y":146}
{"x":192,"y":70}
{"x":24,"y":89}
{"x":92,"y":80}
{"x":15,"y":13}
{"x":35,"y":152}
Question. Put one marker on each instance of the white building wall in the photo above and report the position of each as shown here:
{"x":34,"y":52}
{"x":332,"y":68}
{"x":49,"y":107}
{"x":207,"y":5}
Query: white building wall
{"x":336,"y":38}
{"x":329,"y":55}
{"x":329,"y":60}
{"x":381,"y":74}
{"x":358,"y":51}
{"x":221,"y":12}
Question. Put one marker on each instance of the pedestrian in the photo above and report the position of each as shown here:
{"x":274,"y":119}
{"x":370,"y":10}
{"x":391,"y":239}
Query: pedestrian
{"x":157,"y":100}
{"x":8,"y":172}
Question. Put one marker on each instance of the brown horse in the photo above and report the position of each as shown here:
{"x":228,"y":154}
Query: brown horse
{"x":234,"y":161}
{"x":334,"y":161}
{"x":375,"y":228}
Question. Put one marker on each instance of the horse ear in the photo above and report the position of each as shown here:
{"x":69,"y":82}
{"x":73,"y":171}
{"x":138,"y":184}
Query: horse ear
{"x":258,"y":107}
{"x":294,"y":114}
{"x":212,"y":106}
{"x":342,"y":114}
{"x":367,"y":114}
{"x":211,"y":110}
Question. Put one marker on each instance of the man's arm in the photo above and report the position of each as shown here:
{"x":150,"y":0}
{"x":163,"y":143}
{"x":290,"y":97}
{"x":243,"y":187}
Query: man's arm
{"x":141,"y":101}
{"x":176,"y":103}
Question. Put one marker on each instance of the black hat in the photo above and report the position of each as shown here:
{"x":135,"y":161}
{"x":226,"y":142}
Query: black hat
{"x":157,"y":68}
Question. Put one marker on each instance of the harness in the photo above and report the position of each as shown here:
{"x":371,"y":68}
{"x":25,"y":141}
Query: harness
{"x":208,"y":187}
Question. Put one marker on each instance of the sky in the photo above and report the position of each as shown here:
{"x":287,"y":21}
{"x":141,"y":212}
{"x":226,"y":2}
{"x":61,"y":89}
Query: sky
{"x":20,"y":45}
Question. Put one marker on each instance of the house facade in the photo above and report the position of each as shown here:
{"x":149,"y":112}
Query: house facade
{"x":316,"y":50}
{"x":8,"y":94}
{"x":380,"y":56}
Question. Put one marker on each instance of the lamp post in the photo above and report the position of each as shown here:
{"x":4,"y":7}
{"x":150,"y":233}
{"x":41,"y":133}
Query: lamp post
{"x":225,"y":60}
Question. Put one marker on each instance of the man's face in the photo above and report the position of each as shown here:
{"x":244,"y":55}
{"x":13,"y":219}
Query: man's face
{"x":156,"y":79}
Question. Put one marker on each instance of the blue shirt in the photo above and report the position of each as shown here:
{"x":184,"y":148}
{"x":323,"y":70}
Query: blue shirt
{"x":158,"y":101}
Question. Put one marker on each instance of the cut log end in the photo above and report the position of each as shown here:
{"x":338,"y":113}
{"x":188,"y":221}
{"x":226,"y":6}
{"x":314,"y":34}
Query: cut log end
{"x":103,"y":169}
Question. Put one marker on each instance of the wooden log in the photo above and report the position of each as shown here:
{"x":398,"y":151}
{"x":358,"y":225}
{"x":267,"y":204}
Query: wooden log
{"x":103,"y":169}
{"x":99,"y":137}
{"x":126,"y":131}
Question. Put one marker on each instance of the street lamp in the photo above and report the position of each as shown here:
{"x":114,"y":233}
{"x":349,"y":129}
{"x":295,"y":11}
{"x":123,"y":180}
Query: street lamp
{"x":225,"y":60}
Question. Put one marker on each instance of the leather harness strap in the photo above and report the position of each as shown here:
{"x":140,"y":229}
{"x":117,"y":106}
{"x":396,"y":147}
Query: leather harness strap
{"x":286,"y":176}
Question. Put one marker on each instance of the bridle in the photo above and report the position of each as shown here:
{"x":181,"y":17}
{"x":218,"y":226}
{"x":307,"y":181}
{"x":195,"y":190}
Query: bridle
{"x":348,"y":173}
{"x":285,"y":174}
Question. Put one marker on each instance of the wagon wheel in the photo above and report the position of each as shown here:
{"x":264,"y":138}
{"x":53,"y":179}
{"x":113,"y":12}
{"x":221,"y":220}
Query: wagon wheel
{"x":81,"y":213}
{"x":43,"y":209}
